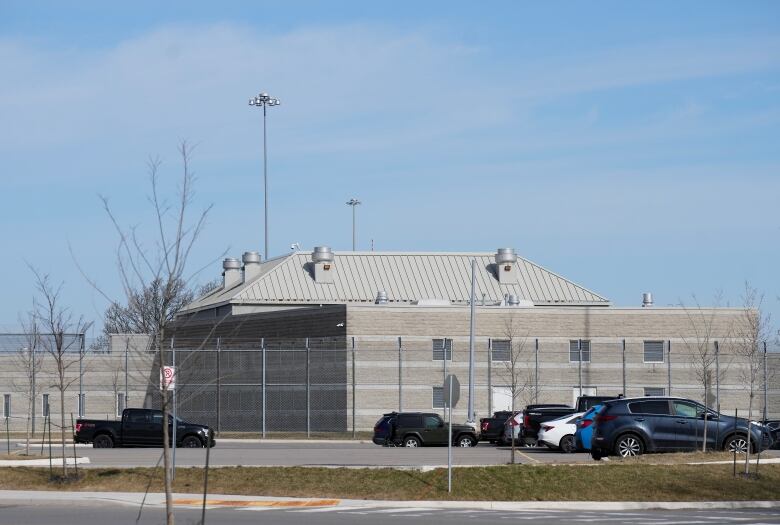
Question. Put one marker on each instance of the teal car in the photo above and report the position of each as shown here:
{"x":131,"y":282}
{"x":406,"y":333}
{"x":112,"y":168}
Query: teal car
{"x":584,"y":433}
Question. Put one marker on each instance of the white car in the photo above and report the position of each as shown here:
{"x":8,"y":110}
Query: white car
{"x":559,"y":433}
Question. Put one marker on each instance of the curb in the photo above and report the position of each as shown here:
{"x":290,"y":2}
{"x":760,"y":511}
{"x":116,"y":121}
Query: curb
{"x":195,"y":500}
{"x":41,"y":462}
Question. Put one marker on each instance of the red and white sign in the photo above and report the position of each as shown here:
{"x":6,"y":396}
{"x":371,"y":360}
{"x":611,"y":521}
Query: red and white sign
{"x":168,"y":378}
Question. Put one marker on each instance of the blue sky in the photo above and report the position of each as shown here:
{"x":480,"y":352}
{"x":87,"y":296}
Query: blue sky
{"x":627,"y":146}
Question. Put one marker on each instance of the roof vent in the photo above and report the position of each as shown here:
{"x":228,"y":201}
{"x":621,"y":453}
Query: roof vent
{"x":506,"y":269}
{"x":513,"y":300}
{"x":251,"y":265}
{"x":231,"y":274}
{"x":323,"y":257}
{"x":647,"y":300}
{"x":381,"y":297}
{"x":322,"y":254}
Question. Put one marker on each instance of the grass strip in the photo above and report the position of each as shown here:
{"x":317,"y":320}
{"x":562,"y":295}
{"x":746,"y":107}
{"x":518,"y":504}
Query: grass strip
{"x":610,"y":482}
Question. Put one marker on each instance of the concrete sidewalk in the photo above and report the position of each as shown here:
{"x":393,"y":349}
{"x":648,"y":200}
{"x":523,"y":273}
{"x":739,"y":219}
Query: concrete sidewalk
{"x":236,"y":501}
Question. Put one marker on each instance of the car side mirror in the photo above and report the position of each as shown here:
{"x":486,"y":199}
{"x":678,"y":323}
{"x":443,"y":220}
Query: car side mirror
{"x":441,"y":424}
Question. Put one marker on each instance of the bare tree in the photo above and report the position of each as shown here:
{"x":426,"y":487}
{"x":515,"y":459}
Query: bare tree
{"x":29,"y":360}
{"x":155,"y":281}
{"x":62,"y":341}
{"x":516,"y":371}
{"x":751,"y":331}
{"x":701,"y":346}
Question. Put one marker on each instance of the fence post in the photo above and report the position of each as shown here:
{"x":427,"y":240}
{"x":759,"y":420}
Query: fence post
{"x":624,"y":369}
{"x":400,"y":376}
{"x":308,"y":393}
{"x":127,"y":389}
{"x":717,"y":377}
{"x":669,"y":366}
{"x":536,"y":370}
{"x":579,"y":367}
{"x":354,"y":399}
{"x":766,"y":393}
{"x":219,"y":384}
{"x":489,"y":372}
{"x":262,"y":344}
{"x":81,"y":376}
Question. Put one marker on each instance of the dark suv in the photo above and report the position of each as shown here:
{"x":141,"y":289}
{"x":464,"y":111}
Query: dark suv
{"x":630,"y":427}
{"x":415,"y":429}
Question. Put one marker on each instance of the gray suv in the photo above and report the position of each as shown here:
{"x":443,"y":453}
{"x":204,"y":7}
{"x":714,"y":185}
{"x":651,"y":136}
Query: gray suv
{"x":630,"y":427}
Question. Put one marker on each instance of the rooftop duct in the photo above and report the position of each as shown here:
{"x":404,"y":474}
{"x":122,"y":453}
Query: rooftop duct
{"x":323,"y":258}
{"x":252,"y":265}
{"x":381,"y":297}
{"x":231,"y":274}
{"x":506,"y":269}
{"x":647,"y":300}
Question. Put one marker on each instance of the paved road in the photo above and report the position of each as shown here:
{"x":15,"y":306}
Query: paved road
{"x":330,"y":454}
{"x":44,"y":513}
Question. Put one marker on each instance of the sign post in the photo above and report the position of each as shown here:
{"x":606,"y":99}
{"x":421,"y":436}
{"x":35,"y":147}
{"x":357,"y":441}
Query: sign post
{"x":451,"y":391}
{"x":168,"y":382}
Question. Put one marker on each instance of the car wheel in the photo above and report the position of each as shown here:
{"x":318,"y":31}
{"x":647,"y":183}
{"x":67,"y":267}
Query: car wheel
{"x":567,"y":444}
{"x":466,"y":441}
{"x":191,"y":442}
{"x":411,"y":442}
{"x":736,"y":443}
{"x":629,"y":445}
{"x":103,"y":441}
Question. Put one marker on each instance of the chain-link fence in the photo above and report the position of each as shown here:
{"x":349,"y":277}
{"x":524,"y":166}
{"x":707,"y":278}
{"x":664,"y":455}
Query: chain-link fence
{"x":343,"y":384}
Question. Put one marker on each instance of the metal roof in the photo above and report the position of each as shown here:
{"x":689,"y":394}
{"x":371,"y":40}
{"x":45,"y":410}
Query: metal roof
{"x":405,"y":277}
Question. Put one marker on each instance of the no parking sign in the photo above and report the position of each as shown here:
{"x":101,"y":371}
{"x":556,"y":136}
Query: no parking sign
{"x":168,"y":378}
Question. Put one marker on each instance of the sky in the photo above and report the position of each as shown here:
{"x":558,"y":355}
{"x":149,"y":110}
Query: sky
{"x":628,"y":146}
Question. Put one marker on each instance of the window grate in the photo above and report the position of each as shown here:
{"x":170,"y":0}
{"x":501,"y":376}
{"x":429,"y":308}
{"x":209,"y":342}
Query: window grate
{"x":440,"y":347}
{"x":437,"y":400}
{"x":574,"y":354}
{"x":654,"y":352}
{"x":6,"y":405}
{"x":500,"y":350}
{"x":652,"y":391}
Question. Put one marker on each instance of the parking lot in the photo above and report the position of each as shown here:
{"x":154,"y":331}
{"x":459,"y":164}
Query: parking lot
{"x":331,"y":453}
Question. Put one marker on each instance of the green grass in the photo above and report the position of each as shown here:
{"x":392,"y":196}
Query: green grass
{"x":608,"y":482}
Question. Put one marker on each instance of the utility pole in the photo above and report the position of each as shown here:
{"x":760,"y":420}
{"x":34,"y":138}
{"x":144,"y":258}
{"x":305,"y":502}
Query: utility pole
{"x":264,"y":99}
{"x":354,"y":203}
{"x":470,"y":418}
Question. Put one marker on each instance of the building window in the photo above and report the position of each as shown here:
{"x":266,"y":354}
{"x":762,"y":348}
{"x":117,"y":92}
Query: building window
{"x":574,"y":352}
{"x":120,"y":403}
{"x":442,"y":347}
{"x":653,"y":391}
{"x":45,"y":405}
{"x":81,"y":401}
{"x":500,"y":349}
{"x":6,"y":405}
{"x":438,"y":397}
{"x":654,"y":352}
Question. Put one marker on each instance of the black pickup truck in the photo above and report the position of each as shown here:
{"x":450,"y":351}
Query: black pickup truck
{"x":140,"y":427}
{"x":534,"y":415}
{"x":492,"y":428}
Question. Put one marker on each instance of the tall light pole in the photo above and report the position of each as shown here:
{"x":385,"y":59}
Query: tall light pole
{"x":264,"y":100}
{"x":354,"y":203}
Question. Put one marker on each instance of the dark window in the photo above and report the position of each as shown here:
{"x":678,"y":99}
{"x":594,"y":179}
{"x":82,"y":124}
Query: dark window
{"x":649,"y":407}
{"x":81,"y":401}
{"x":136,"y":416}
{"x":438,"y":397}
{"x":45,"y":405}
{"x":654,"y":352}
{"x":574,"y":352}
{"x":157,"y":418}
{"x":6,"y":405}
{"x":120,"y":403}
{"x":442,"y":347}
{"x":432,"y":422}
{"x":409,"y":421}
{"x":500,"y":349}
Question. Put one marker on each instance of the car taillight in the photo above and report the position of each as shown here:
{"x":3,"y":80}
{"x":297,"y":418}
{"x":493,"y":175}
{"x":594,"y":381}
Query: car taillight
{"x":485,"y":426}
{"x":586,"y":423}
{"x":547,"y":428}
{"x":78,"y":427}
{"x":605,"y":418}
{"x":527,"y":421}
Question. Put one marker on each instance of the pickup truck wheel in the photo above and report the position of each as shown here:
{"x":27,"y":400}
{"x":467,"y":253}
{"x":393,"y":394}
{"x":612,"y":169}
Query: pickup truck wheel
{"x":411,"y":442}
{"x":567,"y":444}
{"x":466,"y":441}
{"x":191,"y":442}
{"x":103,"y":441}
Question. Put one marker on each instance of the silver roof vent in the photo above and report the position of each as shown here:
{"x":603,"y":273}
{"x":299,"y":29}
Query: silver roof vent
{"x":322,"y":254}
{"x":252,"y":265}
{"x":512,"y":300}
{"x":251,"y":258}
{"x":231,"y":274}
{"x":647,"y":300}
{"x":506,"y":255}
{"x":381,"y":297}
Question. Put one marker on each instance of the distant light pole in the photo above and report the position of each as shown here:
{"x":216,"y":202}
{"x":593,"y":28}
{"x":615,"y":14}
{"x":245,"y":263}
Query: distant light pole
{"x":354,"y":203}
{"x":264,"y":99}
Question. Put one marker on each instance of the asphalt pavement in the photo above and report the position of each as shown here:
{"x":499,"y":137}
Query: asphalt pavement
{"x":27,"y":512}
